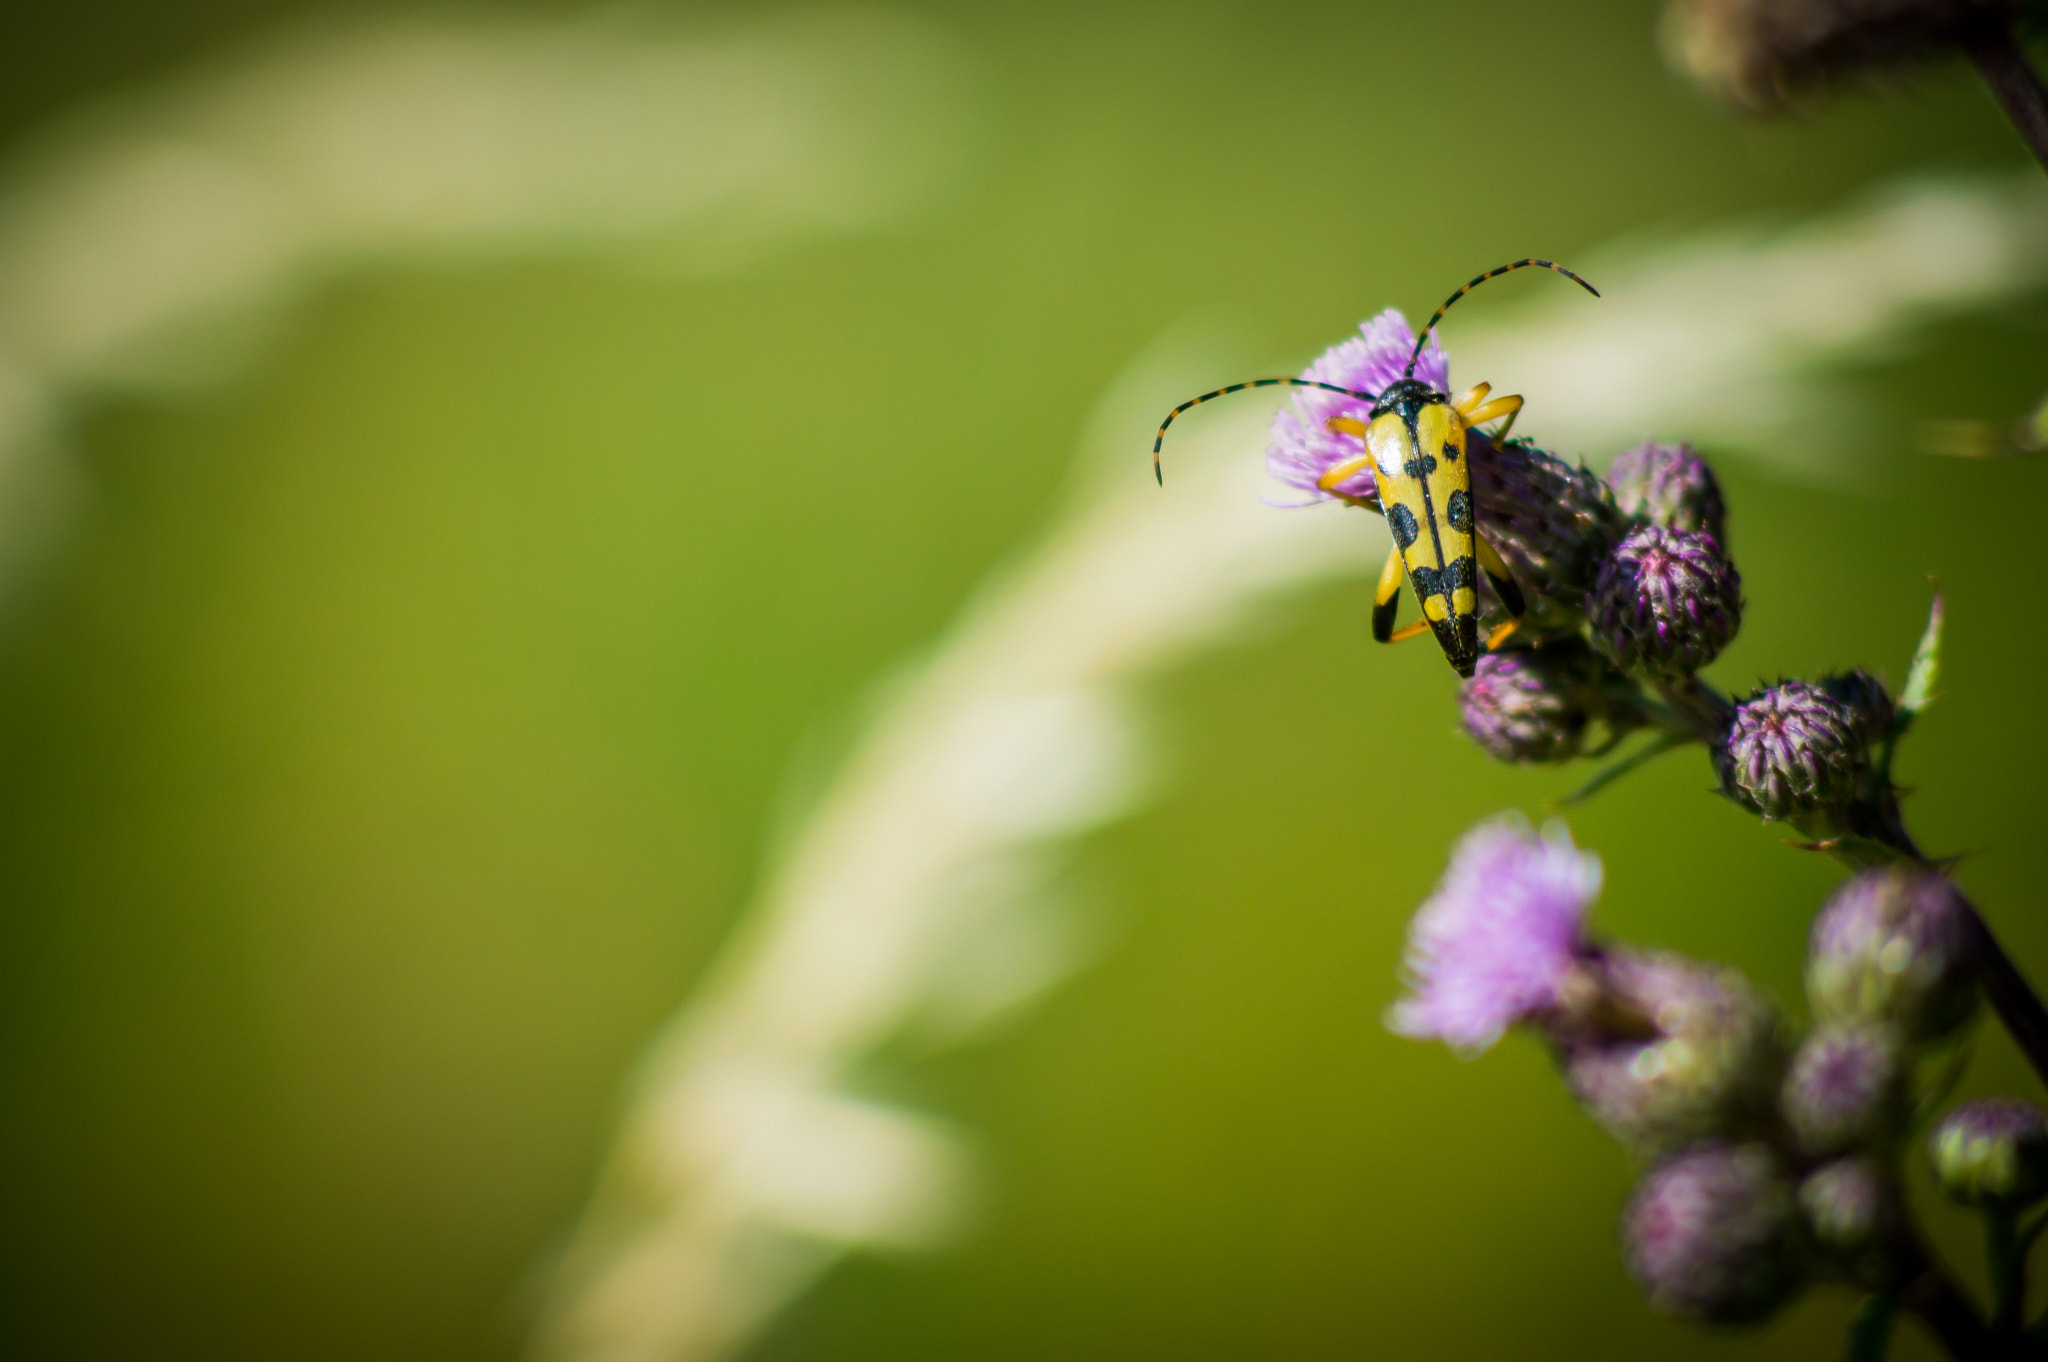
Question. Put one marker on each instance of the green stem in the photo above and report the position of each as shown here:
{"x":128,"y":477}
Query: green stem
{"x":2008,"y":1271}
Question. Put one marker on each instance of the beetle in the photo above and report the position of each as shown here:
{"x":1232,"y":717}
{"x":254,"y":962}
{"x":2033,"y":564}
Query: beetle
{"x":1415,"y":445}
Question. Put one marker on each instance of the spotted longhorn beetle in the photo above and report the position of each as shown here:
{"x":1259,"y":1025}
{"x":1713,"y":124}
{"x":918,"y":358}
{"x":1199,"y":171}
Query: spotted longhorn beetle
{"x":1415,"y":445}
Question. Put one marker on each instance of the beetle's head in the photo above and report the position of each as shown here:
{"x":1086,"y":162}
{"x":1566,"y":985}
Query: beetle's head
{"x":1406,"y":396}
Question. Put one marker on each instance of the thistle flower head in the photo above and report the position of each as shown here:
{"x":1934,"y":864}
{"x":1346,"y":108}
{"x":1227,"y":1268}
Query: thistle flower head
{"x":1533,"y":704}
{"x":1676,"y":1052}
{"x":1763,"y":54}
{"x":1712,"y":1236}
{"x":1869,"y":704}
{"x":1665,"y":600}
{"x":1552,"y":522}
{"x":1499,"y":940}
{"x":1790,"y":753}
{"x":1895,"y":945}
{"x":1846,"y":1086}
{"x":1992,"y":1152}
{"x":1669,"y":485}
{"x":1303,"y":448}
{"x":1850,"y":1205}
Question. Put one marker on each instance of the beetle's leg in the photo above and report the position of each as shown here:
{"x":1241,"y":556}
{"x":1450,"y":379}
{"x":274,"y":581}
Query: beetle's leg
{"x":1500,"y":633}
{"x":1504,"y":584}
{"x":1412,"y":629}
{"x":1473,"y":396}
{"x":1386,"y":598}
{"x":1487,"y":411}
{"x":1341,"y":472}
{"x":1344,"y":425}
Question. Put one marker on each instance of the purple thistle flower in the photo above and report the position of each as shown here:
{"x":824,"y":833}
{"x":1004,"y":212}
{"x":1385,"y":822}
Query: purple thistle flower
{"x":1303,"y":448}
{"x":1991,"y":1152}
{"x":1898,"y":945}
{"x":1791,"y":752}
{"x":1846,"y":1087}
{"x":1712,"y":1235}
{"x":1665,"y":600}
{"x":1669,"y":485}
{"x":1533,"y":704}
{"x":1670,"y":1051}
{"x":1500,"y":939}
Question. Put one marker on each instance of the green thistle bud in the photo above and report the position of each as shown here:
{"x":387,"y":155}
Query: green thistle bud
{"x":1992,"y":1152}
{"x":1895,"y":945}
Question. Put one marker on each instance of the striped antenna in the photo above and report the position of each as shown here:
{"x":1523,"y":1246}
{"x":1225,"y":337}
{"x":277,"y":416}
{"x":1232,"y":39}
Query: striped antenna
{"x":1160,"y":438}
{"x":1423,"y":339}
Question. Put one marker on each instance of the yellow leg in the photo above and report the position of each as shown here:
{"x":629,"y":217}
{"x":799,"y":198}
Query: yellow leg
{"x":1342,"y":472}
{"x":1344,"y":425}
{"x":1487,"y":411}
{"x":1469,"y":403}
{"x":1386,"y":598}
{"x":1500,"y":634}
{"x":1413,"y":629}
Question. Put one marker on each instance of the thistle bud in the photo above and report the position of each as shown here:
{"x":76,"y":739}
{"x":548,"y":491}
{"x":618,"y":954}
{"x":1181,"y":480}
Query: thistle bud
{"x":1552,"y":522}
{"x":1791,"y":753}
{"x":1853,"y":1211}
{"x":1677,"y":1052}
{"x":1669,"y":485}
{"x":1533,"y":704}
{"x":1764,"y":54}
{"x":1665,"y":600}
{"x":1712,"y":1235}
{"x":1845,"y":1087}
{"x":1992,"y":1152}
{"x":1895,"y":945}
{"x":1868,"y":702}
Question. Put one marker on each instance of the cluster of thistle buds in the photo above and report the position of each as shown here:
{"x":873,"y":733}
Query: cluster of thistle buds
{"x":1773,"y":1158}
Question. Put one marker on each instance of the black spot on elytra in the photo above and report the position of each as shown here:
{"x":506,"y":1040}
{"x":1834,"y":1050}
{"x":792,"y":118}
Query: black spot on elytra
{"x":1460,"y":511}
{"x":1421,"y":466}
{"x":1459,"y":572}
{"x":1450,"y":451}
{"x":1401,"y":521}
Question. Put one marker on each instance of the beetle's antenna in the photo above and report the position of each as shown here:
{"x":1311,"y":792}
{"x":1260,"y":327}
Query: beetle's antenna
{"x":1423,"y":339}
{"x":1160,"y":438}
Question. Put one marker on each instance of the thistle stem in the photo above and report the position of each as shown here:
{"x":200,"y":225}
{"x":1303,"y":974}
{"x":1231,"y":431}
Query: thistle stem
{"x":2014,"y":84}
{"x":2012,"y":997}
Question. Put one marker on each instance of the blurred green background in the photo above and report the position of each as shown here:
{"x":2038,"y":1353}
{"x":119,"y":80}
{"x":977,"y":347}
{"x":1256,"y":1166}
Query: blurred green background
{"x":393,"y":733}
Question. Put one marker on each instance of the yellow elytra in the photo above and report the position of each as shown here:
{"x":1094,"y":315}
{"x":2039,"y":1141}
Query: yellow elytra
{"x":1414,"y":441}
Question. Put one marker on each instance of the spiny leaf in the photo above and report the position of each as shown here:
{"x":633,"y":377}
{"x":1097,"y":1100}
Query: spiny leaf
{"x":1640,"y":757}
{"x":1925,"y":673}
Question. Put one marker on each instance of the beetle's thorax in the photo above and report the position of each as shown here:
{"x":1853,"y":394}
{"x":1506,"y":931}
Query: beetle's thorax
{"x":1406,"y":397}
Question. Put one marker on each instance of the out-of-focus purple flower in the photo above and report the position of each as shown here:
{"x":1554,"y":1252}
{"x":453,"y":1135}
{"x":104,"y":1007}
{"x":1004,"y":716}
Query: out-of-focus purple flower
{"x":1846,"y":1086}
{"x":1302,"y":447}
{"x":1669,"y":485}
{"x":1501,"y":937}
{"x":1672,"y":1051}
{"x":1791,"y":753}
{"x":1712,"y":1236}
{"x":1851,"y":1205}
{"x":1665,"y":600}
{"x":1768,"y":55}
{"x":1868,"y":702}
{"x":1991,"y":1152}
{"x":1533,"y":704}
{"x":1896,"y":945}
